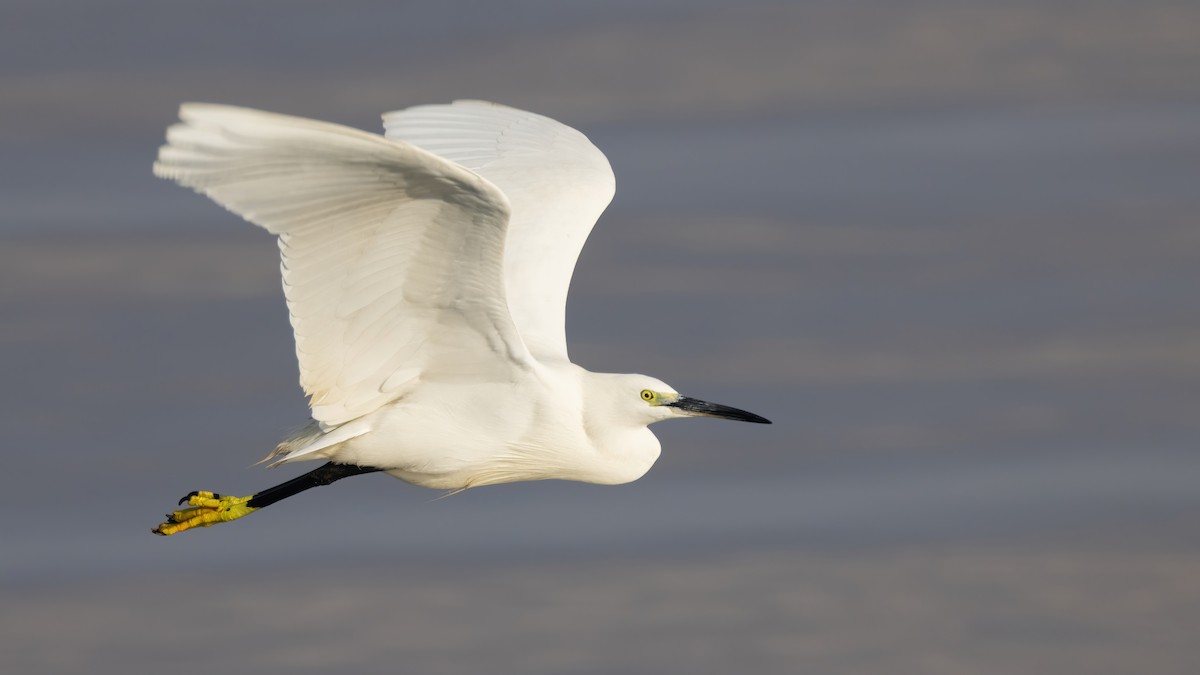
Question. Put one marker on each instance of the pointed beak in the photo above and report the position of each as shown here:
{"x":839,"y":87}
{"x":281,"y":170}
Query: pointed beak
{"x":693,"y":406}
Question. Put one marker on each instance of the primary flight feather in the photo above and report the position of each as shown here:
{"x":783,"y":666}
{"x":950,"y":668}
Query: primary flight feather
{"x":426,"y":275}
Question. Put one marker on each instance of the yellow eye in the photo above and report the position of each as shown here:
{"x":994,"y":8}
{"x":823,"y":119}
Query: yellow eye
{"x":648,"y":395}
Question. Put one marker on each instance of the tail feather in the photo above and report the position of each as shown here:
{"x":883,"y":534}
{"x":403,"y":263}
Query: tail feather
{"x":315,"y":442}
{"x":299,"y":438}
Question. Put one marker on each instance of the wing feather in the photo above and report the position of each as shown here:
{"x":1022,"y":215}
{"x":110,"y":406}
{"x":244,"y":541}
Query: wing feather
{"x":392,"y":258}
{"x":556,"y":181}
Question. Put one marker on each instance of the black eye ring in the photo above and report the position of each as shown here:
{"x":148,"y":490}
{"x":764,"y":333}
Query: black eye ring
{"x":647,"y":395}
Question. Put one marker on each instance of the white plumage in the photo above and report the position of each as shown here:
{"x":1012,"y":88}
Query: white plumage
{"x":426,"y":276}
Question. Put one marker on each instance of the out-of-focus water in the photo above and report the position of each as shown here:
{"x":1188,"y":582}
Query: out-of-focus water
{"x":969,"y":310}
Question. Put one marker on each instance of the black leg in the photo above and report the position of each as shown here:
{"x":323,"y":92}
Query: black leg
{"x":323,"y":475}
{"x":209,"y":508}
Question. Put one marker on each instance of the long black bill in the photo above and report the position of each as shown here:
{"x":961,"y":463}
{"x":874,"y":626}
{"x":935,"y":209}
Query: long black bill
{"x":698,"y":407}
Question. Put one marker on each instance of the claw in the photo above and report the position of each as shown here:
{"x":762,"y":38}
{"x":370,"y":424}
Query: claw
{"x":208,"y":508}
{"x":197,"y":493}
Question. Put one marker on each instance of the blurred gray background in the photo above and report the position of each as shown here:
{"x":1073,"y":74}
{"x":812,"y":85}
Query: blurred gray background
{"x":950,"y":248}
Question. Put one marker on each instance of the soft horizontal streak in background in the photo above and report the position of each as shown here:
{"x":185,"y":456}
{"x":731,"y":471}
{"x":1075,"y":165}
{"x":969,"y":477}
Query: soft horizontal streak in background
{"x":951,"y":248}
{"x":899,"y":612}
{"x":692,"y":60}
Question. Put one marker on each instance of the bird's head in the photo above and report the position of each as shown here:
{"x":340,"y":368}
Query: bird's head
{"x":653,"y":400}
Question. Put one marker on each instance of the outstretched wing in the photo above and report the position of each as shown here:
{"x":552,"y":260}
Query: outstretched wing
{"x":557,"y":182}
{"x":392,"y":257}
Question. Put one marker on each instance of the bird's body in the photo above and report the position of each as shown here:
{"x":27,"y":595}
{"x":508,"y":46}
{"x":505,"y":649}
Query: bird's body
{"x":454,"y":436}
{"x":426,"y":276}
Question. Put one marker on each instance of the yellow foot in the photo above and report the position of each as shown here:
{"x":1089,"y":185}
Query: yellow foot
{"x":209,"y":508}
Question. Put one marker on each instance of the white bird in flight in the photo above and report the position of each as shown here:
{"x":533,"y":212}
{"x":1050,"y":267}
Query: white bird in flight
{"x":426,"y":275}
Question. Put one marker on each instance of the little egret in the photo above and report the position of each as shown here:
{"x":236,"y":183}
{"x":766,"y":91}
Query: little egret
{"x":426,"y":275}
